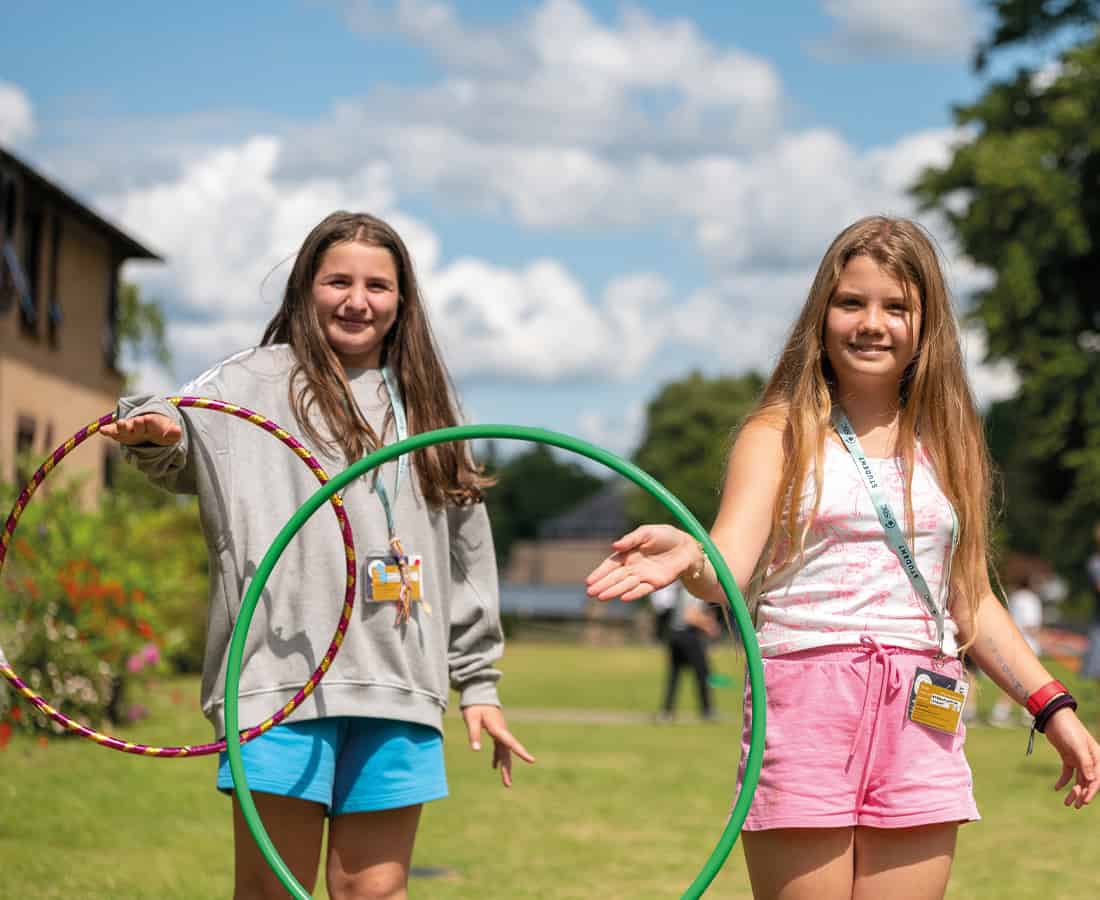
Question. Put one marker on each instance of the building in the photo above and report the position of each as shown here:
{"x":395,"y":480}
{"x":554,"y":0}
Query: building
{"x":59,"y":296}
{"x":544,"y":578}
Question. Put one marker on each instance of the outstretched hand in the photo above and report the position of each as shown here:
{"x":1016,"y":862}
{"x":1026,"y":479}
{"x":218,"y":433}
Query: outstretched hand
{"x":491,"y":718}
{"x":1080,"y":757}
{"x":648,"y":558}
{"x":150,"y":428}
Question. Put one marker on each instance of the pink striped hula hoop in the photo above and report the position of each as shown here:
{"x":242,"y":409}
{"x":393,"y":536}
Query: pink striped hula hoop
{"x":248,"y":734}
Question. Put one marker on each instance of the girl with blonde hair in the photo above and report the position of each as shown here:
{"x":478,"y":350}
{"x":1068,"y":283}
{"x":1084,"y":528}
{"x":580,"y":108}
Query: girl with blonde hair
{"x":854,"y":516}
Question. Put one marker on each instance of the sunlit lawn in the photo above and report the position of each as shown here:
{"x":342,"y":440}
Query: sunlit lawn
{"x":621,"y":808}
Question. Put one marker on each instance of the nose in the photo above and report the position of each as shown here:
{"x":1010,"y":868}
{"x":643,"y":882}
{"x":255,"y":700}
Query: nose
{"x":872,"y":319}
{"x":356,"y":297}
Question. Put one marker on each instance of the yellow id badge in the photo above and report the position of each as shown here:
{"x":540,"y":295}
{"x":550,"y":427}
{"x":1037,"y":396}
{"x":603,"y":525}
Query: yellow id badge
{"x":384,"y":578}
{"x":937,"y":701}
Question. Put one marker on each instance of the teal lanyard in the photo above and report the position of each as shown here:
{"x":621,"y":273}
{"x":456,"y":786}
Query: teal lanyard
{"x":402,"y":425}
{"x":894,"y":536}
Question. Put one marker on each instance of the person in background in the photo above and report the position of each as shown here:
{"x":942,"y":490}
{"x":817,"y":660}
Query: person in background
{"x":685,"y":626}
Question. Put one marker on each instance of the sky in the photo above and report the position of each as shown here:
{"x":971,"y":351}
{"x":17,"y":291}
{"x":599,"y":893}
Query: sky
{"x":599,"y":197}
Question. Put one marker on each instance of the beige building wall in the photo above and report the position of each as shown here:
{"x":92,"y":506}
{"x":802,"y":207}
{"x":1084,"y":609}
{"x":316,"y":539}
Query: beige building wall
{"x":554,"y":562}
{"x":63,"y":382}
{"x":58,"y":408}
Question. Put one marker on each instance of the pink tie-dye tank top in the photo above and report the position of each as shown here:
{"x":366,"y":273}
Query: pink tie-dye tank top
{"x":849,"y":583}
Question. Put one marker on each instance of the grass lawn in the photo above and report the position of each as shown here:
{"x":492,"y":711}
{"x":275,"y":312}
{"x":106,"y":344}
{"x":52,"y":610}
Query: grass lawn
{"x":616,"y":807}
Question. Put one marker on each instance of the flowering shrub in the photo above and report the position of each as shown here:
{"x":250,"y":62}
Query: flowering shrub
{"x":81,"y":611}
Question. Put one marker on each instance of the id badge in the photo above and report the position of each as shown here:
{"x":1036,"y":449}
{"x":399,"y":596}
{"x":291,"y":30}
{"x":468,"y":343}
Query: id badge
{"x":937,"y":700}
{"x":384,"y":578}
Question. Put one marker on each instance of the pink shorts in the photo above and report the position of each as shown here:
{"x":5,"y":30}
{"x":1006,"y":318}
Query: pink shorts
{"x":841,"y":751}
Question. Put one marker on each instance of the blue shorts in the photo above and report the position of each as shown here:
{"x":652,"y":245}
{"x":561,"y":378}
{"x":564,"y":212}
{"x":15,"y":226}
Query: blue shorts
{"x":348,"y":763}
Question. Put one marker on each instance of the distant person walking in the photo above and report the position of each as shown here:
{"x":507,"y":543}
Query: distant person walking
{"x":685,"y":626}
{"x":1091,"y":665}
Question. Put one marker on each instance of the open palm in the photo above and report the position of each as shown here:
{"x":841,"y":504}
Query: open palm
{"x":644,"y":560}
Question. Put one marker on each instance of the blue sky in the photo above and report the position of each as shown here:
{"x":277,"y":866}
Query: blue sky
{"x":599,"y":196}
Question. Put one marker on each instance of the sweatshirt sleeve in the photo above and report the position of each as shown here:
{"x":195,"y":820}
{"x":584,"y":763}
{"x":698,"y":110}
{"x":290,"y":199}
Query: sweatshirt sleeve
{"x":172,"y":467}
{"x":476,"y":639}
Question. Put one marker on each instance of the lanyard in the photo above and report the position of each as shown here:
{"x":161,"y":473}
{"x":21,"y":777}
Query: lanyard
{"x":402,"y":426}
{"x":894,"y":536}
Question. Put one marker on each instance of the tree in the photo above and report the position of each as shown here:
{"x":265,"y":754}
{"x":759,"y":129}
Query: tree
{"x":531,"y":487}
{"x":141,"y":325}
{"x":688,"y":434}
{"x":1021,"y":194}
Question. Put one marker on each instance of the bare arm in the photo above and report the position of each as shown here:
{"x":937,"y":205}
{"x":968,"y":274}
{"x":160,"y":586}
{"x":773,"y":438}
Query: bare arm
{"x":1001,"y":651}
{"x":653,"y":556}
{"x":1005,"y":656}
{"x":744,"y":519}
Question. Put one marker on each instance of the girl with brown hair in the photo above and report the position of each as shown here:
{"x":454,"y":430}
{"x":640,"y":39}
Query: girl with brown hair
{"x":349,"y":357}
{"x":854,"y":516}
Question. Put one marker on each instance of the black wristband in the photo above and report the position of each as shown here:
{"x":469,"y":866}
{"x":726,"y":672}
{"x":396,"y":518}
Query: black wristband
{"x":1043,"y":716}
{"x":1055,"y":704}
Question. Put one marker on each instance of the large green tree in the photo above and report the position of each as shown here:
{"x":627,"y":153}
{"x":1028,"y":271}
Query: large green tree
{"x":688,"y":433}
{"x":1022,"y":194}
{"x":531,"y":487}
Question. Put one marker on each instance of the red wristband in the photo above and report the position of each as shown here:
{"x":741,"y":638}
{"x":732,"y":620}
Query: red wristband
{"x":1044,"y":695}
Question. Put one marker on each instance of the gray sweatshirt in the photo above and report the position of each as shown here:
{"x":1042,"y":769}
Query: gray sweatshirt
{"x":249,"y":485}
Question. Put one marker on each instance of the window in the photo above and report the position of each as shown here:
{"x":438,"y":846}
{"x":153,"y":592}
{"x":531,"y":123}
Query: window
{"x":24,"y":449}
{"x":12,"y":283}
{"x":110,"y":327}
{"x":32,"y":256}
{"x":53,"y":314}
{"x":110,"y":465}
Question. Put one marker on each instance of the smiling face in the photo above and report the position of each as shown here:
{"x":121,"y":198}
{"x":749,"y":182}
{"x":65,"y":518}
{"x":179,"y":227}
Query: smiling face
{"x":355,"y":292}
{"x":871,"y":327}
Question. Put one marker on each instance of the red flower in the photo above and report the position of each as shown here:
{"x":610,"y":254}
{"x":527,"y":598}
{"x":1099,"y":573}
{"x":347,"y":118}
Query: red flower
{"x":16,"y":713}
{"x":145,"y":629}
{"x":5,"y":734}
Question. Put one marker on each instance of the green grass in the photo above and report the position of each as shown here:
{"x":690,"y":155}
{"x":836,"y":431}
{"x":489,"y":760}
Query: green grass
{"x":615,"y":809}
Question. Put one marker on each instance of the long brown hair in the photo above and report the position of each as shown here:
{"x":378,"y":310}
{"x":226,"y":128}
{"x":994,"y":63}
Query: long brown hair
{"x":935,"y":395}
{"x":446,"y":472}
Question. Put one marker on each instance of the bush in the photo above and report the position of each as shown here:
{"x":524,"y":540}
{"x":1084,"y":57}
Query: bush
{"x":95,"y":599}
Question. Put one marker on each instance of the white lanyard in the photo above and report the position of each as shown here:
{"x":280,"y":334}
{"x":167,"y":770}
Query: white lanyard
{"x":894,"y":536}
{"x":402,"y":425}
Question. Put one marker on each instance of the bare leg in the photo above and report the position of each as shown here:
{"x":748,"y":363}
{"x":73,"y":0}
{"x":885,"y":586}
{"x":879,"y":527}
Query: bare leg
{"x":904,"y":863}
{"x":800,"y":863}
{"x":369,"y":854}
{"x":295,"y":827}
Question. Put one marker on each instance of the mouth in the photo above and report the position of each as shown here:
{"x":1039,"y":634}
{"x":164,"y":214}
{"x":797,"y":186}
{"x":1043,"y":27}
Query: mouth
{"x":869,"y":348}
{"x":353,"y":324}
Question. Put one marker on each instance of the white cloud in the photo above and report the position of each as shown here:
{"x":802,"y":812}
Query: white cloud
{"x":619,"y":431}
{"x":990,"y":381}
{"x":16,"y":115}
{"x":226,"y":228}
{"x":577,"y":126}
{"x":914,"y":29}
{"x":558,"y":77}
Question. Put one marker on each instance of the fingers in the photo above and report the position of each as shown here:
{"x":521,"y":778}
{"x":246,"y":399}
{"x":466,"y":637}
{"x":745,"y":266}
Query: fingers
{"x":621,"y":582}
{"x":504,"y":738}
{"x":609,"y":565}
{"x":150,"y":428}
{"x":472,"y":717}
{"x":1064,"y":778}
{"x":504,"y":745}
{"x":634,"y":539}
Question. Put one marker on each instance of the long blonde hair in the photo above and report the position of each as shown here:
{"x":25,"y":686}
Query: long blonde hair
{"x":935,"y":396}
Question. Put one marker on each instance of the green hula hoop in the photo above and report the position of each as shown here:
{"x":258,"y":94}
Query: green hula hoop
{"x":505,"y":432}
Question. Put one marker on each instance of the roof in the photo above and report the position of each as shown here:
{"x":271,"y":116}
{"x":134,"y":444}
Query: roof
{"x":603,"y":515}
{"x":131,"y":249}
